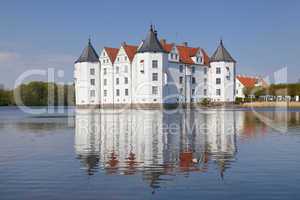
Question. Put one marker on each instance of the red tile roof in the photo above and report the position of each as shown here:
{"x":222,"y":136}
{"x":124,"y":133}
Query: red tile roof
{"x":185,"y":54}
{"x":167,"y":47}
{"x":130,"y":51}
{"x":248,"y":82}
{"x":112,"y":53}
{"x":205,"y":57}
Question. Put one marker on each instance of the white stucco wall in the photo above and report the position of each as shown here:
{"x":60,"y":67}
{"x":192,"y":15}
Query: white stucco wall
{"x":83,"y":86}
{"x":227,"y":86}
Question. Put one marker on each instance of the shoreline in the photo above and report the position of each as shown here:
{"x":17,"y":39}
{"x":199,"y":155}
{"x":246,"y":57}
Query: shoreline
{"x":271,"y":104}
{"x":193,"y":106}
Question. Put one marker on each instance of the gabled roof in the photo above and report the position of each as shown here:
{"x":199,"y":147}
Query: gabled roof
{"x":151,"y":43}
{"x":221,"y":54}
{"x":248,"y":82}
{"x":88,"y":54}
{"x":185,"y":54}
{"x":112,"y":53}
{"x":130,"y":51}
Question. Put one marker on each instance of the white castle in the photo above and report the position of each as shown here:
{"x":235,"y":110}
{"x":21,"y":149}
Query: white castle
{"x":153,"y":73}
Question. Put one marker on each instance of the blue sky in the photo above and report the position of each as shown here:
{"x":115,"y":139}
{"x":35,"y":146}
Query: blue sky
{"x":263,"y":36}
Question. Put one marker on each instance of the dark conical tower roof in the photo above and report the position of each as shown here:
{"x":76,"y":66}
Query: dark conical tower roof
{"x":89,"y":54}
{"x":221,"y":54}
{"x":151,"y":43}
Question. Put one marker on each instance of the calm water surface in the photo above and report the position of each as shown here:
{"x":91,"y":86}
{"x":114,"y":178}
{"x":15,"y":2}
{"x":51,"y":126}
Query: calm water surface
{"x":135,"y":154}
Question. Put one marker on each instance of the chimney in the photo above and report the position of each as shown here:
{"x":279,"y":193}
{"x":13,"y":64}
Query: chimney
{"x":185,"y":44}
{"x":163,"y":41}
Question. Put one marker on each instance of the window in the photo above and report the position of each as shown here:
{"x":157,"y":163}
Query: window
{"x":205,"y":81}
{"x":126,"y":92}
{"x":154,"y":64}
{"x":205,"y":70}
{"x":104,"y":70}
{"x":92,"y":93}
{"x":228,"y":73}
{"x":218,"y":92}
{"x":92,"y":81}
{"x":92,"y":71}
{"x":154,"y":76}
{"x":117,"y":92}
{"x":193,"y":69}
{"x":218,"y":70}
{"x":181,"y":91}
{"x":126,"y":80}
{"x":180,"y":80}
{"x":125,"y":57}
{"x":117,"y":81}
{"x":125,"y":68}
{"x":117,"y":70}
{"x":105,"y":82}
{"x":154,"y":90}
{"x":205,"y":92}
{"x":193,"y":80}
{"x":105,"y":93}
{"x":180,"y":68}
{"x":218,"y":81}
{"x":142,"y":66}
{"x":193,"y":91}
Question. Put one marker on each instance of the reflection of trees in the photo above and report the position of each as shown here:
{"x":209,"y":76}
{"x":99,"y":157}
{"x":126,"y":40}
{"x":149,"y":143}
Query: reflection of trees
{"x":153,"y":144}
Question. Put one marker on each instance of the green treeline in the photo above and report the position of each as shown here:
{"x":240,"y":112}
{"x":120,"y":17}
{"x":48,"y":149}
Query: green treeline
{"x":292,"y":90}
{"x":38,"y":93}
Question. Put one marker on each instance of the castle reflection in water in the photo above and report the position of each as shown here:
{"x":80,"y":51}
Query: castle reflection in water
{"x":152,"y":143}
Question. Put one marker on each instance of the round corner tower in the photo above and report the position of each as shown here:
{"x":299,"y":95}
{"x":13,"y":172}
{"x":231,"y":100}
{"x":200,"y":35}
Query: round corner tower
{"x":222,"y":75}
{"x":86,"y":77}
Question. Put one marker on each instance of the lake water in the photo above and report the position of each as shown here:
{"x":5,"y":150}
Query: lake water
{"x":139,"y":154}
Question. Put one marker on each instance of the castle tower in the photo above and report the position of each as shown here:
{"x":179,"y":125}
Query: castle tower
{"x":87,"y":77}
{"x":149,"y":64}
{"x":222,"y":75}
